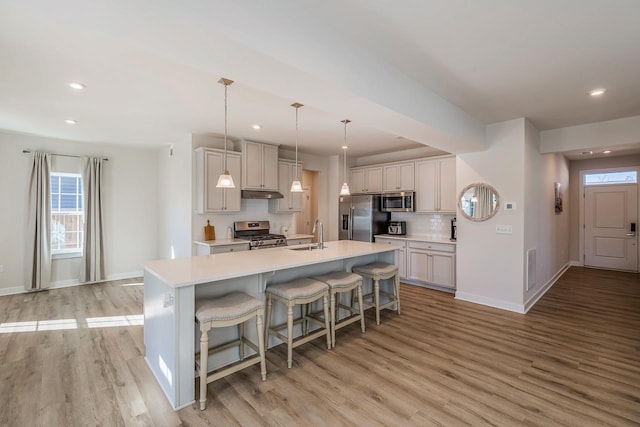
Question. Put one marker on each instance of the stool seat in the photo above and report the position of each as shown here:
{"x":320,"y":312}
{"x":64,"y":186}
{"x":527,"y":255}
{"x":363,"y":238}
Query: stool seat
{"x":228,"y":307}
{"x":376,"y":269}
{"x":339,"y":279}
{"x":298,"y":289}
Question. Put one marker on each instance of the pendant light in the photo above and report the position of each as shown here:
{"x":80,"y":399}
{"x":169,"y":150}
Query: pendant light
{"x":225,"y":180}
{"x":296,"y":185}
{"x":344,"y":191}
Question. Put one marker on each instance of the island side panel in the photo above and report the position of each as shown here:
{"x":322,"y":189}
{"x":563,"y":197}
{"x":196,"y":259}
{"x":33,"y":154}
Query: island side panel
{"x":185,"y":323}
{"x":160,"y":334}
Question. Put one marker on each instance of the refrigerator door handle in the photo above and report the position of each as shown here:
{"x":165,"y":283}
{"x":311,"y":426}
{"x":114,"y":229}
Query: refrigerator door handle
{"x":351,"y":223}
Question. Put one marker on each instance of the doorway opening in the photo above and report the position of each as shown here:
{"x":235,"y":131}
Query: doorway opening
{"x":305,"y":219}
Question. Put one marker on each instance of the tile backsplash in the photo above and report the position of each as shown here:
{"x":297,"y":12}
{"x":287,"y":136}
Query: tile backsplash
{"x":425,"y":224}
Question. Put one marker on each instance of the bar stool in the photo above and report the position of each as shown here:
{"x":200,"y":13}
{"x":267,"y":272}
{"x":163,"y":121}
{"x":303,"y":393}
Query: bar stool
{"x":340,"y":282}
{"x":381,"y":271}
{"x":229,"y":310}
{"x":298,"y":292}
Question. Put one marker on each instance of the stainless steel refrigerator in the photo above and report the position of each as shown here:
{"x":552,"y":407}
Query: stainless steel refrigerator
{"x":361,"y":218}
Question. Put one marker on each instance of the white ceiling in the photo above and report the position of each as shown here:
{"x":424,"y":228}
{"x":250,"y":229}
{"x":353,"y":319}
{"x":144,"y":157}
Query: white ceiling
{"x":429,"y":71}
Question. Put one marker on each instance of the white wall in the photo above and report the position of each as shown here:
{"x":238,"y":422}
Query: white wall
{"x":174,"y":204}
{"x":489,"y":265}
{"x":131,"y":218}
{"x":607,"y":134}
{"x":545,"y":230}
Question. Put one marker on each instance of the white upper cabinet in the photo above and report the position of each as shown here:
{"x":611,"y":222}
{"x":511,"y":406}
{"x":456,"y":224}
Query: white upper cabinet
{"x":209,"y":166}
{"x":435,"y":181}
{"x":259,"y":166}
{"x":366,"y":180}
{"x":292,"y":202}
{"x":398,"y":177}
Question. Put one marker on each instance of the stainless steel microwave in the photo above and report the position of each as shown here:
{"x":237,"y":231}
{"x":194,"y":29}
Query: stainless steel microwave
{"x":398,"y":202}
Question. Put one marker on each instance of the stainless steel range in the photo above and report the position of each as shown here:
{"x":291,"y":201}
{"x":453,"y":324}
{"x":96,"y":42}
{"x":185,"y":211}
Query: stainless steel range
{"x":257,"y":233}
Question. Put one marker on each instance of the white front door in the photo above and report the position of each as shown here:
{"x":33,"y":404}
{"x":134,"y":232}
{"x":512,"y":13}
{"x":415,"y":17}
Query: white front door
{"x":610,"y":211}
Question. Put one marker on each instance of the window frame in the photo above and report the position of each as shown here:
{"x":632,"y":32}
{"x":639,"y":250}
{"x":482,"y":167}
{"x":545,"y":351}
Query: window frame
{"x":77,"y":252}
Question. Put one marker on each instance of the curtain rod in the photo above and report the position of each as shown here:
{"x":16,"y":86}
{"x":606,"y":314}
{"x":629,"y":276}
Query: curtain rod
{"x":65,"y":155}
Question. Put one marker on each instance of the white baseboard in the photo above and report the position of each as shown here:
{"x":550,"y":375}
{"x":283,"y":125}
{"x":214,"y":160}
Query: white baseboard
{"x":491,"y":302}
{"x":543,"y":290}
{"x":576,"y":264}
{"x":12,"y":291}
{"x":72,"y":282}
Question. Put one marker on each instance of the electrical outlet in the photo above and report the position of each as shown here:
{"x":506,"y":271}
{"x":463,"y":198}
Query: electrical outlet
{"x":504,"y":229}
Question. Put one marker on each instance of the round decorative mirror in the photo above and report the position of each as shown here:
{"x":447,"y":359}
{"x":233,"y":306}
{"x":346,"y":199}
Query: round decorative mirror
{"x":478,"y":201}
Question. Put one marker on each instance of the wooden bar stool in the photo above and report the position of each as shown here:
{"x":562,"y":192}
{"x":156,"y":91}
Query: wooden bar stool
{"x":340,"y":282}
{"x":298,"y":292}
{"x":381,"y":271}
{"x":229,"y":310}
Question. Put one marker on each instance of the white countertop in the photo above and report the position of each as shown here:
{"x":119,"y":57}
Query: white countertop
{"x":435,"y":238}
{"x":209,"y":268}
{"x":221,"y":242}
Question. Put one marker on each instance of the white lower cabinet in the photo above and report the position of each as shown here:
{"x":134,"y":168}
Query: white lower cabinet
{"x":203,"y":248}
{"x":432,"y":263}
{"x":423,"y":262}
{"x":300,"y":241}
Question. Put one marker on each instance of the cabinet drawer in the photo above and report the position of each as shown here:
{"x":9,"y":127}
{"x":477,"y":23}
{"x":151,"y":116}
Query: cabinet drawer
{"x":392,"y":242}
{"x":442,"y":247}
{"x":229,"y":248}
{"x":293,"y":242}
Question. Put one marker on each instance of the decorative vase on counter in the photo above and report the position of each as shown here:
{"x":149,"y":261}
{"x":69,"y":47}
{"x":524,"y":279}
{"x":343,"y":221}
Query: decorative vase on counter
{"x":229,"y":233}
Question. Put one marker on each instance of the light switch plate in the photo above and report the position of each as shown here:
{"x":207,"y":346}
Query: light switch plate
{"x":504,"y":229}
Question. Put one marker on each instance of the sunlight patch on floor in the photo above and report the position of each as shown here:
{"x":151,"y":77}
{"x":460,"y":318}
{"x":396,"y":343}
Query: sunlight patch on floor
{"x":62,"y":324}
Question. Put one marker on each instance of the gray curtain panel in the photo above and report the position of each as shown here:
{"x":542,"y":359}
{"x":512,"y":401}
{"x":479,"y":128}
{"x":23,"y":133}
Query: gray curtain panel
{"x":484,"y":206}
{"x":92,"y":182}
{"x":38,"y":256}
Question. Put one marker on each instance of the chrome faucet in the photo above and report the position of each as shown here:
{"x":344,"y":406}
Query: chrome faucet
{"x":320,"y":233}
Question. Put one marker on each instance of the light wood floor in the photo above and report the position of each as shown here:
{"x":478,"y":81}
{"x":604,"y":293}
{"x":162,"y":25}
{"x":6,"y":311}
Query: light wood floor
{"x":574,"y":359}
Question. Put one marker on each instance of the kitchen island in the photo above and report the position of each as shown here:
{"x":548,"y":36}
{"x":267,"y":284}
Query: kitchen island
{"x":171,"y":288}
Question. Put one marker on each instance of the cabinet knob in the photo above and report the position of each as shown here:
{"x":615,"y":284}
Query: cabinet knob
{"x":231,"y":250}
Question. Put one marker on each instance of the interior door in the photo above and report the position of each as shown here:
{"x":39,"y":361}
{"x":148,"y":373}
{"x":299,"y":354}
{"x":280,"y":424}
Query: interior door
{"x":610,"y":239}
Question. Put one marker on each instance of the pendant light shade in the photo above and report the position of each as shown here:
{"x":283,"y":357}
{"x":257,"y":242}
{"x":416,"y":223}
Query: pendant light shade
{"x":296,"y":185}
{"x":225,"y":180}
{"x":344,"y":191}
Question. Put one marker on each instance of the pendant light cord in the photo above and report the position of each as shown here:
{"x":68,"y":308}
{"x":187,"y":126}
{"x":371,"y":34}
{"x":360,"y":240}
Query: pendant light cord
{"x":225,"y":128}
{"x":297,"y":144}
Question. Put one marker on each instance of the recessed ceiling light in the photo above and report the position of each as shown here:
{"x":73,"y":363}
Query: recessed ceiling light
{"x":77,"y":86}
{"x":586,"y":153}
{"x":606,"y":151}
{"x":256,"y":127}
{"x":597,"y":92}
{"x":344,"y":147}
{"x":71,"y":121}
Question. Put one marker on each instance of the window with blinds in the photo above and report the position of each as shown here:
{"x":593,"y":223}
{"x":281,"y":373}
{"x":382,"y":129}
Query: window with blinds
{"x":67,"y":213}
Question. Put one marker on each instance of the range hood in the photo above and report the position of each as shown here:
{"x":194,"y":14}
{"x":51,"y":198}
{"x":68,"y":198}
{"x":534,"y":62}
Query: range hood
{"x":258,"y":194}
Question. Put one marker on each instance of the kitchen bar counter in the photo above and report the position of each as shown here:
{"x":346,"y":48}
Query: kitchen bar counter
{"x":299,"y":236}
{"x":171,"y":288}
